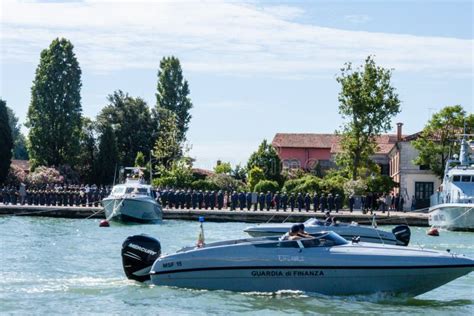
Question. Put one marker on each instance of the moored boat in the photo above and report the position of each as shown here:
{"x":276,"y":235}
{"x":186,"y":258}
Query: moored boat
{"x":452,"y":207}
{"x":132,"y":201}
{"x":400,"y":235}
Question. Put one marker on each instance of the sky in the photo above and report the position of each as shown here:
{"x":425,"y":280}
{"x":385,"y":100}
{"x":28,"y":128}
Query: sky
{"x":255,"y":68}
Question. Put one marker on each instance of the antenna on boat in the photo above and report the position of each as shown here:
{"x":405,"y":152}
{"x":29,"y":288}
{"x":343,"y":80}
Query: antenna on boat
{"x":200,"y":242}
{"x":115,"y":173}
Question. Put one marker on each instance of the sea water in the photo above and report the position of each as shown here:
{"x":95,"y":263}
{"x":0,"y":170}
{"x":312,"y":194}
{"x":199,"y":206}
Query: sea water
{"x":72,"y":266}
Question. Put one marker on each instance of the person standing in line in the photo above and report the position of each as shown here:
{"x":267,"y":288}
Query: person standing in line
{"x":307,"y":202}
{"x":330,"y":202}
{"x":292,"y":201}
{"x":261,"y":201}
{"x":316,"y":201}
{"x":254,"y":200}
{"x":212,"y":200}
{"x":337,"y":202}
{"x":284,"y":201}
{"x":194,"y":199}
{"x":242,"y":200}
{"x":324,"y":202}
{"x":351,"y":202}
{"x":234,"y":198}
{"x":200,"y":199}
{"x":300,"y":201}
{"x":22,"y":192}
{"x":220,"y":200}
{"x":268,"y":200}
{"x":248,"y":198}
{"x":277,"y":200}
{"x":207,"y":199}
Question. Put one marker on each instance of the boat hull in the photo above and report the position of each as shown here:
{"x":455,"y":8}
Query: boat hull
{"x":410,"y":281}
{"x":132,"y":210}
{"x":351,"y":269}
{"x":452,"y":216}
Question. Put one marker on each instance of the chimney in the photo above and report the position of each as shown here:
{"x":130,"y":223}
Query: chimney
{"x":399,"y":131}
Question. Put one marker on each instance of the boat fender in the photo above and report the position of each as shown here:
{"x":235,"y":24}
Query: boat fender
{"x":139,"y":252}
{"x":433,"y":232}
{"x":104,"y":223}
{"x":402,"y":234}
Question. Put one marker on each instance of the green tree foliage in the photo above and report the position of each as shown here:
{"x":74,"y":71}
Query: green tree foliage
{"x":367,"y":102}
{"x":380,"y":184}
{"x":306,"y":184}
{"x":204,"y":185}
{"x":225,"y":182}
{"x":438,"y":138}
{"x":107,"y":156}
{"x":131,"y":121}
{"x":239,"y":173}
{"x":6,"y":142}
{"x":267,"y":185}
{"x":173,"y":94}
{"x":167,"y":147}
{"x":54,"y":114}
{"x":19,"y":141}
{"x":140,"y":160}
{"x":88,"y":151}
{"x":266,"y":158}
{"x":256,"y":174}
{"x":178,"y":175}
{"x":223,"y":167}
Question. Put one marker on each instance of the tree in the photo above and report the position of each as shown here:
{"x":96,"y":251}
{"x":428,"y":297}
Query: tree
{"x":88,"y":151}
{"x":173,"y":94}
{"x":239,"y":173}
{"x":19,"y":142}
{"x":256,"y":174}
{"x":140,"y":160}
{"x":437,"y":140}
{"x":54,"y":114}
{"x":6,"y":142}
{"x":367,"y":102}
{"x":222,"y":167}
{"x":132,"y":125}
{"x":266,"y":185}
{"x":167,"y":147}
{"x":107,"y":156}
{"x":266,"y":158}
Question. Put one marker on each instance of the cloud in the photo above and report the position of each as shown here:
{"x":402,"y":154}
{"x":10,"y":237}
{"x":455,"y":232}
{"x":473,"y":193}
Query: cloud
{"x":357,"y":18}
{"x":215,"y":37}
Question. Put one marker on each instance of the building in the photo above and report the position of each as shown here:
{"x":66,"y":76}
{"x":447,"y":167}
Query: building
{"x":416,"y":183}
{"x":395,"y":155}
{"x":305,"y":151}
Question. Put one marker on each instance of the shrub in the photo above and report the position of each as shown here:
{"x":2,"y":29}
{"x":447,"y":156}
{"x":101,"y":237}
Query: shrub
{"x":266,"y":185}
{"x":226,"y":182}
{"x":45,"y":175}
{"x":204,"y":185}
{"x":256,"y":174}
{"x":15,"y":176}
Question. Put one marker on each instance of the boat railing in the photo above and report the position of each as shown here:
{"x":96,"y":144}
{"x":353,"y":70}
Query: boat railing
{"x":442,"y":198}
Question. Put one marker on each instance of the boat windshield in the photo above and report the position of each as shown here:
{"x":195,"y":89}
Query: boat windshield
{"x":137,"y":191}
{"x":324,"y":239}
{"x":118,"y":190}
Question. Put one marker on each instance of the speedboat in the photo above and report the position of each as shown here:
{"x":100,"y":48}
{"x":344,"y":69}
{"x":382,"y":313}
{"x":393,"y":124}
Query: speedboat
{"x":133,"y":201}
{"x":400,"y":235}
{"x":326,"y":263}
{"x":452,"y":208}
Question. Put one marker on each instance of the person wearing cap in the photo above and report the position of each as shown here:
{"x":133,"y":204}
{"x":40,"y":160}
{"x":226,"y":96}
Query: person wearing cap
{"x":302,"y":233}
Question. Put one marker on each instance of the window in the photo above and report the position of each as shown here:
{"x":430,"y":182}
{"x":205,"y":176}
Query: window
{"x":291,"y":164}
{"x":466,"y":179}
{"x":456,"y":178}
{"x":424,"y":167}
{"x":423,"y":191}
{"x":384,"y":169}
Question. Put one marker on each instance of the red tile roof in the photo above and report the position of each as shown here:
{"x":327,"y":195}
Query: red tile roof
{"x":293,"y":140}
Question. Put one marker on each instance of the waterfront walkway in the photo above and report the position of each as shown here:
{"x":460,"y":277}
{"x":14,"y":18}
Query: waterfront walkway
{"x":224,"y":215}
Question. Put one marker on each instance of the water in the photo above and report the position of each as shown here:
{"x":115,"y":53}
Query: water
{"x":63,"y":266}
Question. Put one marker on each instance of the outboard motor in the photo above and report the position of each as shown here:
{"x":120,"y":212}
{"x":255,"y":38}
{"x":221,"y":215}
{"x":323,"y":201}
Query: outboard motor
{"x":139,"y":252}
{"x":402,"y":234}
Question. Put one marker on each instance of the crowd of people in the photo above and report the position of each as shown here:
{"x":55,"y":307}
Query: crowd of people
{"x":91,"y":195}
{"x":54,"y":195}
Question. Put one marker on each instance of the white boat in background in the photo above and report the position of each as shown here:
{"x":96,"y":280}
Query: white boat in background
{"x":453,"y":207}
{"x":132,"y":201}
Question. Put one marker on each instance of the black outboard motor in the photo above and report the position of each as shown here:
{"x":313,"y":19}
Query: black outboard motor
{"x":139,"y":252}
{"x":402,"y":234}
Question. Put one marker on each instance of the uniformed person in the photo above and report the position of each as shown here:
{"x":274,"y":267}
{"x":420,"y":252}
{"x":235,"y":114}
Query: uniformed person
{"x":300,"y":201}
{"x":212,"y":200}
{"x":220,"y":199}
{"x":337,"y":202}
{"x":248,"y":199}
{"x":200,"y":199}
{"x":292,"y":200}
{"x":194,"y":199}
{"x":307,"y":202}
{"x":261,"y":201}
{"x":324,"y":202}
{"x":207,"y":199}
{"x":188,"y":197}
{"x":277,"y":199}
{"x":268,"y":200}
{"x":242,"y":200}
{"x":316,"y":201}
{"x":234,"y":199}
{"x":330,"y":202}
{"x":284,"y":201}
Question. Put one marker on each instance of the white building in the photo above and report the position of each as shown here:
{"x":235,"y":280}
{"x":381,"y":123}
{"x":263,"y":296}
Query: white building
{"x":417,"y":183}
